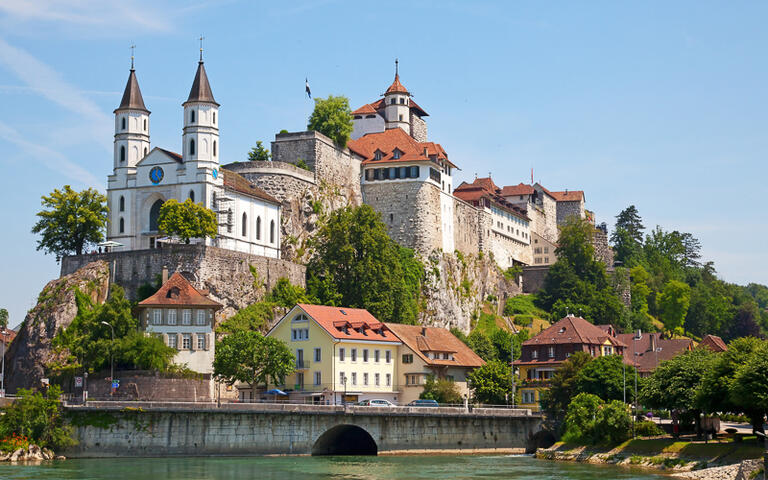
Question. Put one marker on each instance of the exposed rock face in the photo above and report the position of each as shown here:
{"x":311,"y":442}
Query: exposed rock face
{"x":456,"y":286}
{"x":55,"y":309}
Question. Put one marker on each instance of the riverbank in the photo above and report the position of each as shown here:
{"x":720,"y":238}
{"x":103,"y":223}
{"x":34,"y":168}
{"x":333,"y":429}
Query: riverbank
{"x":665,"y":455}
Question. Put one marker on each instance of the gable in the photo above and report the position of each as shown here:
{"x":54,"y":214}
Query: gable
{"x":159,"y":156}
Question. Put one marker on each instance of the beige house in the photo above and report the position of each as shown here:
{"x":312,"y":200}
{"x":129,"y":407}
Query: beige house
{"x":430,"y":351}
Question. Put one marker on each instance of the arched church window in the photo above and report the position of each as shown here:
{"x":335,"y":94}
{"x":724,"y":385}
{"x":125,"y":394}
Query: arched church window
{"x":191,"y":116}
{"x":122,"y":123}
{"x":272,"y":231}
{"x":122,"y":154}
{"x":145,"y":124}
{"x":245,"y":224}
{"x":154,"y":214}
{"x":258,"y":228}
{"x":122,"y":225}
{"x":192,"y":195}
{"x":122,"y":203}
{"x":192,"y":147}
{"x":145,"y":151}
{"x":214,"y":148}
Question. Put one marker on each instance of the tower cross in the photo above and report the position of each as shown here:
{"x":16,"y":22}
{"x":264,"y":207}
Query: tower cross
{"x":133,"y":47}
{"x":201,"y":47}
{"x":396,"y":67}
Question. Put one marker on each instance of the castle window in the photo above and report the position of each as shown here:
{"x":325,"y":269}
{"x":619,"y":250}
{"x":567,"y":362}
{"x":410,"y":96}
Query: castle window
{"x":402,"y":101}
{"x":403,"y":172}
{"x":192,"y":147}
{"x":145,"y":124}
{"x":245,"y":224}
{"x":214,"y":118}
{"x":122,"y":154}
{"x":229,"y":221}
{"x":122,"y":225}
{"x":391,"y":217}
{"x":214,"y":148}
{"x":122,"y":124}
{"x":258,"y":228}
{"x":358,"y":117}
{"x":394,"y":172}
{"x":192,"y":195}
{"x":122,"y":203}
{"x":392,"y":101}
{"x":370,"y":116}
{"x":400,"y":117}
{"x":415,"y":172}
{"x":272,"y":231}
{"x":385,"y":174}
{"x":369,"y":174}
{"x":145,"y":151}
{"x":377,"y":174}
{"x":192,"y":116}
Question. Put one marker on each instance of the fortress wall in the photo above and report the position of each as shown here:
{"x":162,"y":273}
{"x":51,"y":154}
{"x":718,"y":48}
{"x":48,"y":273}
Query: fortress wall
{"x":466,"y":227}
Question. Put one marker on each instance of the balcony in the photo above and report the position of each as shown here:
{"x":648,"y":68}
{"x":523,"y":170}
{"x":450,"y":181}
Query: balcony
{"x":302,"y":364}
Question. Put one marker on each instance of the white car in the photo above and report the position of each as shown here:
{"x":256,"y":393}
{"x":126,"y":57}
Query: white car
{"x":376,"y":402}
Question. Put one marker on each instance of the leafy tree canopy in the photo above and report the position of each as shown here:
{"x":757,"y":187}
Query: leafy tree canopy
{"x":563,"y":387}
{"x":674,"y":384}
{"x":187,"y":220}
{"x":70,"y":221}
{"x":356,"y":264}
{"x":673,"y":304}
{"x":591,"y":421}
{"x":251,"y":358}
{"x":604,"y":376}
{"x":492,"y":383}
{"x":259,"y":153}
{"x":441,"y":390}
{"x":750,"y":386}
{"x":3,"y":319}
{"x":333,"y":118}
{"x":254,"y":317}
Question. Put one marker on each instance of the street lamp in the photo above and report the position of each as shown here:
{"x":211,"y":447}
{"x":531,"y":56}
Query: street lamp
{"x":111,"y":353}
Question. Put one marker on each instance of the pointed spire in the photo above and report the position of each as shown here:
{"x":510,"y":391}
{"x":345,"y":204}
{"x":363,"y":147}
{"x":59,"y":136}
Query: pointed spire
{"x":396,"y":86}
{"x":132,"y":99}
{"x":201,"y":89}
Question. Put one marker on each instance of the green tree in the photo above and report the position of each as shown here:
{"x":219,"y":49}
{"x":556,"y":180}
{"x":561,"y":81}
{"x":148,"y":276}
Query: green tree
{"x":287,"y":295}
{"x":251,"y":358}
{"x":627,"y":238}
{"x":612,"y":423}
{"x":563,"y":387}
{"x":673,"y":304}
{"x":187,"y":220}
{"x":3,"y":319}
{"x":253,"y":318}
{"x":675,"y":383}
{"x":492,"y":383}
{"x":580,"y":418}
{"x":604,"y":377}
{"x":259,"y":153}
{"x":38,"y":416}
{"x":333,"y":118}
{"x":750,"y":387}
{"x":70,"y":221}
{"x":356,"y":264}
{"x":441,"y":390}
{"x":482,"y":345}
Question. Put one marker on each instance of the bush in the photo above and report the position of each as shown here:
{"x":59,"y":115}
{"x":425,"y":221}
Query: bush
{"x":590,"y":421}
{"x":523,"y":305}
{"x":441,"y":390}
{"x":648,"y":429}
{"x":36,"y":417}
{"x":612,"y":424}
{"x":13,"y":442}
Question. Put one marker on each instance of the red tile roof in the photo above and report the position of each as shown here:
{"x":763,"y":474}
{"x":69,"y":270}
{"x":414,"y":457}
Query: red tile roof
{"x":714,"y":343}
{"x":396,"y":138}
{"x":396,"y":86}
{"x":334,"y":319}
{"x":238,"y":183}
{"x":378,"y":107}
{"x":651,"y":349}
{"x":568,"y":196}
{"x":519,"y":189}
{"x":177,"y":291}
{"x":484,"y":187}
{"x":573,"y":330}
{"x":433,"y":339}
{"x":366,"y":109}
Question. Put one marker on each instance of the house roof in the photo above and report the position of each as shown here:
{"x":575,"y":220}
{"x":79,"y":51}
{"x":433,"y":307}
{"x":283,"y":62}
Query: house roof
{"x":238,"y":183}
{"x":132,"y":99}
{"x":519,"y":189}
{"x":359,"y":323}
{"x":568,"y":196}
{"x":378,"y":107}
{"x":573,"y":330}
{"x":171,"y":154}
{"x":366,"y":109}
{"x":485,"y":187}
{"x":396,"y":138}
{"x":177,"y":291}
{"x":714,"y":343}
{"x":651,"y":349}
{"x":433,"y":339}
{"x":396,"y":86}
{"x":201,"y":89}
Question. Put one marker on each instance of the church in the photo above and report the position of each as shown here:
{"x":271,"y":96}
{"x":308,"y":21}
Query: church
{"x":144,"y":178}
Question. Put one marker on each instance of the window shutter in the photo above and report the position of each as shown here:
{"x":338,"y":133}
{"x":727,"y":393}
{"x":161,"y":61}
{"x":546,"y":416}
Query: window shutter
{"x":178,"y":341}
{"x":165,"y":338}
{"x":207,"y":341}
{"x":192,"y":341}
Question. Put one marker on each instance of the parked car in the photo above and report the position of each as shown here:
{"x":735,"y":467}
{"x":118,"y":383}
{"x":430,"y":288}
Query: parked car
{"x":376,"y":402}
{"x":424,"y":403}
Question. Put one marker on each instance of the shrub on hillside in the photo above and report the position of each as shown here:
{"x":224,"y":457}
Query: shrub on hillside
{"x":648,"y":429}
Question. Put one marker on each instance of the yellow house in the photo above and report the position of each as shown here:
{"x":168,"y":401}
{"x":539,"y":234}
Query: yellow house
{"x":341,"y":354}
{"x":431,"y":351}
{"x":543,"y":354}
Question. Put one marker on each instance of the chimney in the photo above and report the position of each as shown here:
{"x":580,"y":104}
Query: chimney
{"x":652,"y":338}
{"x":165,"y":275}
{"x":639,"y":334}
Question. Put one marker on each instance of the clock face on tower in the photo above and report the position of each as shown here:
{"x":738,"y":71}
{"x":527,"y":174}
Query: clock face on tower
{"x":156,"y":175}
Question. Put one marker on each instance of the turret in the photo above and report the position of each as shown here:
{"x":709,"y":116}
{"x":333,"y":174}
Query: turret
{"x":131,"y":125}
{"x":201,"y":122}
{"x":397,"y":100}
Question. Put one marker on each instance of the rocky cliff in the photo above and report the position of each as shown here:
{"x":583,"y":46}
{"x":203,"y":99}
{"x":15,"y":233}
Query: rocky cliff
{"x":55,"y":309}
{"x":456,"y":286}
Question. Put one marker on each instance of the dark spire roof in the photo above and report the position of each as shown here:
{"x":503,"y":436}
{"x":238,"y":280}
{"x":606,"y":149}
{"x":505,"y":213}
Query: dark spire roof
{"x":132,"y":96}
{"x":201,"y":89}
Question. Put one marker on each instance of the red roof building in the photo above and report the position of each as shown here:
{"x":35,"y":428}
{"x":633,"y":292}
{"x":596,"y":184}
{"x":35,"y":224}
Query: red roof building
{"x":714,"y":343}
{"x":648,"y":350}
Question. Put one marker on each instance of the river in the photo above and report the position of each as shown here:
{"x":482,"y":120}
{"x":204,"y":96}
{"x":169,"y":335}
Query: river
{"x":300,"y":468}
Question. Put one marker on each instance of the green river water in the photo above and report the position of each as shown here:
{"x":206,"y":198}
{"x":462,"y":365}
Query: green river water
{"x":288,"y":468}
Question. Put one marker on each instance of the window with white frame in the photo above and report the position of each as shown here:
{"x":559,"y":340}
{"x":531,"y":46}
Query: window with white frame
{"x":354,"y":355}
{"x":354,"y":378}
{"x":551,"y":352}
{"x":200,"y":317}
{"x":157,"y":317}
{"x":341,"y":378}
{"x":318,"y":378}
{"x":173,"y":340}
{"x":388,"y":356}
{"x":376,"y":379}
{"x":171,"y":317}
{"x":299,"y":334}
{"x":186,"y":317}
{"x":534,"y":354}
{"x":186,"y":341}
{"x":341,"y":354}
{"x":317,"y":355}
{"x":365,"y":379}
{"x":201,"y":341}
{"x":365,"y":355}
{"x":376,"y":355}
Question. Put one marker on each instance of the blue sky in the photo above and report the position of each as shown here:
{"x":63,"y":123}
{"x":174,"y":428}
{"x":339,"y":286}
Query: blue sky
{"x":658,"y":104}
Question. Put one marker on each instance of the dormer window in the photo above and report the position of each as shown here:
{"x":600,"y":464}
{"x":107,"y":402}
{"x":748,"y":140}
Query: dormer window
{"x":173,"y":292}
{"x":378,"y":155}
{"x":396,"y":154}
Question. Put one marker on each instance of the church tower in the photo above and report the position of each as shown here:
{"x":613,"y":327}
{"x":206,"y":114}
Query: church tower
{"x":201,"y":122}
{"x":131,"y":126}
{"x":397,"y":110}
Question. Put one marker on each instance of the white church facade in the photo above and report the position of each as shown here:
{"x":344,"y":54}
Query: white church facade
{"x":144,"y":178}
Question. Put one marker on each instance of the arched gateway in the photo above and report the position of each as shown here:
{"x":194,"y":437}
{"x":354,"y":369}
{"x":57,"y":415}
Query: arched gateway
{"x":345,"y":440}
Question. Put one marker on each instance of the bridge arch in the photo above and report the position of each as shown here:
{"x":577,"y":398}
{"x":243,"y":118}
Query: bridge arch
{"x":345,"y":439}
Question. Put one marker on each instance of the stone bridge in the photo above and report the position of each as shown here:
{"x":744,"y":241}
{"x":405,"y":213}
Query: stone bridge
{"x":104,"y":429}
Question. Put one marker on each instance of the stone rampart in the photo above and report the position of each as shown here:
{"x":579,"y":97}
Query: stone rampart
{"x":533,"y":278}
{"x":225,"y":273}
{"x":292,"y":429}
{"x":150,"y":386}
{"x":466,"y":227}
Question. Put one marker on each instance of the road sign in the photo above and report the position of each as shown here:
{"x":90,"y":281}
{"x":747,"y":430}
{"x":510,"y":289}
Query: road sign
{"x":115,"y":383}
{"x":78,"y":382}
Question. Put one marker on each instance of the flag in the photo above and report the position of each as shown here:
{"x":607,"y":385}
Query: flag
{"x":306,"y":88}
